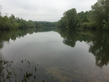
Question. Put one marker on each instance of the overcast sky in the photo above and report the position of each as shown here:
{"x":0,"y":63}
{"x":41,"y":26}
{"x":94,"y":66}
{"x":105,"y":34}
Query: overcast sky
{"x":43,"y":10}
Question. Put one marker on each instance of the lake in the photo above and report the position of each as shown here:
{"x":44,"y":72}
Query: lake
{"x":54,"y":56}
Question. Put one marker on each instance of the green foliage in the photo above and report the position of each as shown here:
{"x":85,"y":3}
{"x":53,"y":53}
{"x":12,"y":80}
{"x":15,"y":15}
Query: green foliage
{"x":101,"y":12}
{"x":71,"y":17}
{"x":45,"y":24}
{"x":82,"y":16}
{"x":87,"y":26}
{"x":69,"y":20}
{"x":85,"y":20}
{"x":97,"y":18}
{"x":72,"y":20}
{"x":12,"y":23}
{"x":106,"y":25}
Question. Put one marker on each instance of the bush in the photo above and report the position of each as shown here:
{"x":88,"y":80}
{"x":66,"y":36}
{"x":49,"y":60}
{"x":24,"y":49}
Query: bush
{"x":106,"y":25}
{"x":88,"y":25}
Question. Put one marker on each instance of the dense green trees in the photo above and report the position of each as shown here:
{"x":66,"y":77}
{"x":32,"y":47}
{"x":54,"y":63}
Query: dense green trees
{"x":97,"y":18}
{"x":13,"y":23}
{"x":8,"y":23}
{"x":45,"y":24}
{"x":101,"y":14}
{"x":69,"y":20}
{"x":73,"y":20}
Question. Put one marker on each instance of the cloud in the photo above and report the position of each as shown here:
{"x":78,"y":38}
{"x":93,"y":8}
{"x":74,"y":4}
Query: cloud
{"x":43,"y":10}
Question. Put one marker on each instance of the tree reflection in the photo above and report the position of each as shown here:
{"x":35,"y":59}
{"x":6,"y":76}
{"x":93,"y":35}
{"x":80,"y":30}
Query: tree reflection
{"x":5,"y":36}
{"x":69,"y":36}
{"x":1,"y":68}
{"x":100,"y":48}
{"x":24,"y":70}
{"x":98,"y":42}
{"x":72,"y":36}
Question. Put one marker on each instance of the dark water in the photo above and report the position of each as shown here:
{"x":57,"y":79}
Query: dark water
{"x":54,"y":56}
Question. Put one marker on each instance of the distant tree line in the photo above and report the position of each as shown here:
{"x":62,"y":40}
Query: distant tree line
{"x":46,"y":24}
{"x":9,"y":23}
{"x":97,"y":18}
{"x":14,"y":23}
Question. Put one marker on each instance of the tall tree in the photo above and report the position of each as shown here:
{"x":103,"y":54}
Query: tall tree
{"x":69,"y":20}
{"x":72,"y":18}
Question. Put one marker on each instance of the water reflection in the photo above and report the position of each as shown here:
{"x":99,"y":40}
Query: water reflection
{"x":22,"y":70}
{"x":5,"y":36}
{"x":98,"y":42}
{"x":99,"y":48}
{"x":37,"y":55}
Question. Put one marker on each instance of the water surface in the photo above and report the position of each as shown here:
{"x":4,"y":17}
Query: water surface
{"x":54,"y":56}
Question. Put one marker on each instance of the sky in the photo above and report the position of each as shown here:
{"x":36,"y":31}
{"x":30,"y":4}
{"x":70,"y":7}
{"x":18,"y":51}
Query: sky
{"x":42,"y":10}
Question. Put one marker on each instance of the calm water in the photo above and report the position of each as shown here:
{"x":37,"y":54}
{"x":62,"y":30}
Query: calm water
{"x":54,"y":56}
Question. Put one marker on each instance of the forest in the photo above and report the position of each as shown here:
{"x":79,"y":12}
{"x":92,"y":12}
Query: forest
{"x":97,"y":18}
{"x":15,"y":23}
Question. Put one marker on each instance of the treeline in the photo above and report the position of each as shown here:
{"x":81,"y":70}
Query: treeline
{"x":45,"y":24}
{"x":97,"y":18}
{"x":9,"y":23}
{"x":15,"y":23}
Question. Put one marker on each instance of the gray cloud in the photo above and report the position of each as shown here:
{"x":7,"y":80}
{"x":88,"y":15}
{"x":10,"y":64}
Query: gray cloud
{"x":43,"y":10}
